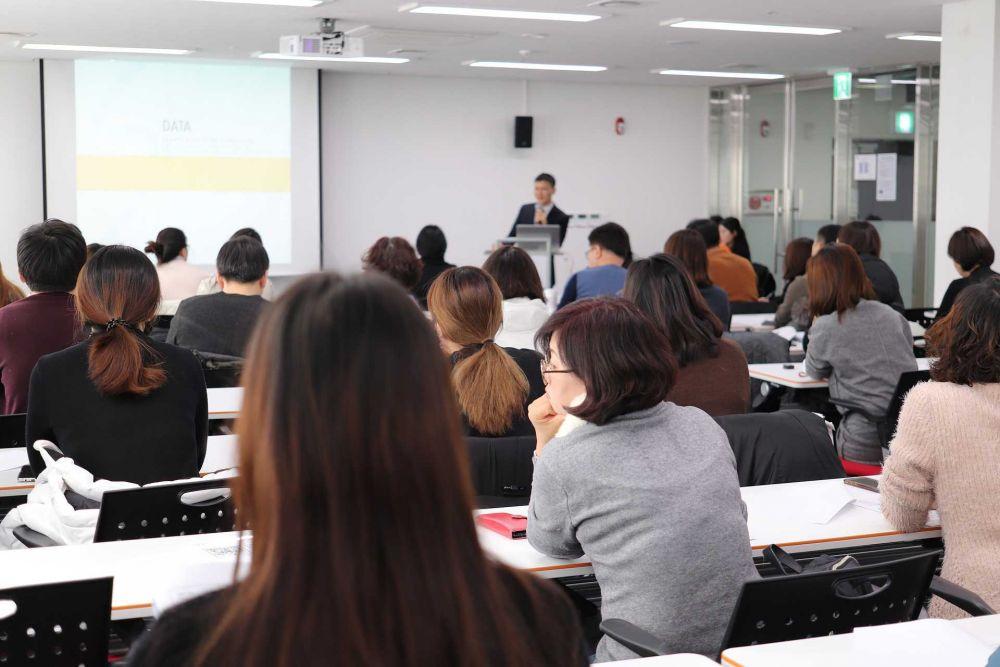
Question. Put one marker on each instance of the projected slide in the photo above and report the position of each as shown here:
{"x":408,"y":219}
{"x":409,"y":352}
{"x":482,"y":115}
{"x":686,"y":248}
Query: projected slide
{"x":206,"y":148}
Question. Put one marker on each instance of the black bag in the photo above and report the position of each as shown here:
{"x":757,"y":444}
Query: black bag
{"x":787,"y":565}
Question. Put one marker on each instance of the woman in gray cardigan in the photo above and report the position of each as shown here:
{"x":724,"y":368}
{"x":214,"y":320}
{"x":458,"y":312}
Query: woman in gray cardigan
{"x":860,"y":344}
{"x":647,"y":489}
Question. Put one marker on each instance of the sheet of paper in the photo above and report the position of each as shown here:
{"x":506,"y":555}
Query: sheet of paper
{"x":822,"y":507}
{"x":928,"y":642}
{"x":222,"y":453}
{"x":788,"y":332}
{"x":885,"y":181}
{"x":864,"y":167}
{"x":13,"y":458}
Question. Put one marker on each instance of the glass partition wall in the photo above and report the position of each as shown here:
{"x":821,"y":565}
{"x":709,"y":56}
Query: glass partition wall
{"x":786,"y":159}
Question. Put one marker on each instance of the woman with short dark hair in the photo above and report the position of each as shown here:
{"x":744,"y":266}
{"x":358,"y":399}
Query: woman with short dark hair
{"x":355,"y":479}
{"x":713,"y":372}
{"x":944,"y":455}
{"x":636,"y":483}
{"x":688,"y":246}
{"x":431,"y":246}
{"x":524,"y":308}
{"x":794,"y":307}
{"x":861,"y":345}
{"x":396,"y":258}
{"x":973,"y":255}
{"x":864,"y":238}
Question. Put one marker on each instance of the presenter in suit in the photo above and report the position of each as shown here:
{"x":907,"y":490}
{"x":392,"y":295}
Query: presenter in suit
{"x":543,"y":211}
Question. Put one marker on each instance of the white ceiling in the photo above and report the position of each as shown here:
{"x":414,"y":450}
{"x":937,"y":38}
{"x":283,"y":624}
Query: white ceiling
{"x":629,"y":41}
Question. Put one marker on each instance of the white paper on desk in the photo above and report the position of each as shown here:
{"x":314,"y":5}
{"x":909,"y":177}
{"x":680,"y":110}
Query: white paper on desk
{"x":14,"y":457}
{"x":220,"y":457}
{"x":822,"y":507}
{"x":931,"y":641}
{"x":198,"y":571}
{"x":786,"y":332}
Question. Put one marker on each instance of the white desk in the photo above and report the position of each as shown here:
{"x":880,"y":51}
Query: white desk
{"x":840,"y":650}
{"x":796,"y":377}
{"x":225,"y":402}
{"x":752,"y":322}
{"x":675,"y":660}
{"x":777,"y":514}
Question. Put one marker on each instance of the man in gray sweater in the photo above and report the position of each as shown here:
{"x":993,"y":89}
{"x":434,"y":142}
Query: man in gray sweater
{"x":221,"y":323}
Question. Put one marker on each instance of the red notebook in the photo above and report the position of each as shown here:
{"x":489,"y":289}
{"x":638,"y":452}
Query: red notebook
{"x":511,"y":526}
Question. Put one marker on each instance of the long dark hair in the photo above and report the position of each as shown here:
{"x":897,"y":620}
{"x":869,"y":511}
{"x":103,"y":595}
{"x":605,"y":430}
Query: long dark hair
{"x":663,"y":289}
{"x":117,"y":296}
{"x":168,"y":245}
{"x":740,"y":246}
{"x":797,"y":254}
{"x":837,"y":281}
{"x":515,"y":273}
{"x":364,"y":548}
{"x":466,"y":304}
{"x":688,"y":246}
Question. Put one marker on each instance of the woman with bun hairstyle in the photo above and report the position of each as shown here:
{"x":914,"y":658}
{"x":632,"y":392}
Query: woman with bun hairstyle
{"x":178,"y":279}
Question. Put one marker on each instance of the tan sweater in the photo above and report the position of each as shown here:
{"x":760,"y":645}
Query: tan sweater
{"x":946,"y":453}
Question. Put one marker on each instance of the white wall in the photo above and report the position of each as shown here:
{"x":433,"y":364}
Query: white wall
{"x":403,"y":152}
{"x":20,"y":158}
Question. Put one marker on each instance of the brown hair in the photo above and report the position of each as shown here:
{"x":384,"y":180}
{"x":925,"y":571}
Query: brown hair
{"x":515,"y":273}
{"x":862,"y":236}
{"x":117,"y":296}
{"x":971,"y":249}
{"x":622,"y":356}
{"x":466,"y":304}
{"x":688,"y":246}
{"x":396,"y":258}
{"x":797,"y":254}
{"x":837,"y":281}
{"x":966,"y":341}
{"x":364,"y":547}
{"x":9,"y":292}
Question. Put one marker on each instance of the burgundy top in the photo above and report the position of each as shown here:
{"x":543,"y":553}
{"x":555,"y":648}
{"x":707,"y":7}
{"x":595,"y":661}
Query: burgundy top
{"x":29,"y":329}
{"x":719,"y":386}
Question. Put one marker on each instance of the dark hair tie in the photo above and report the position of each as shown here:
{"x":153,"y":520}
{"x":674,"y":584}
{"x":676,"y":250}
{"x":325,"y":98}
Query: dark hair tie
{"x":119,"y":322}
{"x":471,"y":349}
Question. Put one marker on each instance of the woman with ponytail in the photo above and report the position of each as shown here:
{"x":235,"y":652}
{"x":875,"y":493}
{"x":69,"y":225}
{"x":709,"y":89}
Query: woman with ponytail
{"x":121,"y":405}
{"x":494,"y":384}
{"x":178,"y":279}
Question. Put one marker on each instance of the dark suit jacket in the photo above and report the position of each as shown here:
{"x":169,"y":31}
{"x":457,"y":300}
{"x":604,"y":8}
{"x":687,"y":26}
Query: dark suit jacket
{"x":884,"y":281}
{"x":526,"y":216}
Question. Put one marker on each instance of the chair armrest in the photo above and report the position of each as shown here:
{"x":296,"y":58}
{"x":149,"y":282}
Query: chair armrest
{"x":634,"y":638}
{"x":962,"y":598}
{"x":32,"y":538}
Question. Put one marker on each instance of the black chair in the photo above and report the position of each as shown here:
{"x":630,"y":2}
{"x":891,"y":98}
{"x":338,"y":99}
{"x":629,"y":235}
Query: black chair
{"x":815,"y":604}
{"x":920,"y":316}
{"x":501,"y":470}
{"x":166,"y":511}
{"x":160,"y":328}
{"x":780,"y":447}
{"x":12,"y":431}
{"x":752,"y":307}
{"x":907,"y":381}
{"x":766,"y":284}
{"x":221,"y":370}
{"x":57,"y":625}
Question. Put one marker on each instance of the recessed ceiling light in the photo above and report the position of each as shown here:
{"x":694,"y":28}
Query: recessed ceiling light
{"x":334,"y":59}
{"x":749,"y":27}
{"x":898,"y":82}
{"x":718,"y":75}
{"x":915,"y":36}
{"x":282,"y":3}
{"x":539,"y":66}
{"x":480,"y":12}
{"x":107,"y":49}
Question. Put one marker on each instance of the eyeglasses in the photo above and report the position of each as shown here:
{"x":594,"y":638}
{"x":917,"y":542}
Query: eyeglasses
{"x":547,"y":368}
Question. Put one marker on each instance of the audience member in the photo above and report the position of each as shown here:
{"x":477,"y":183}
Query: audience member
{"x":972,"y":254}
{"x":609,"y":254}
{"x":688,"y":246}
{"x":794,"y":307}
{"x":178,"y":279}
{"x":49,"y":258}
{"x":92,"y":248}
{"x":9,"y":292}
{"x":732,"y":273}
{"x":122,"y":406}
{"x":210,"y":285}
{"x":944,"y":455}
{"x":864,"y":238}
{"x":431,"y":245}
{"x":221,"y":323}
{"x":826,"y":235}
{"x":364,"y":548}
{"x":494,"y":385}
{"x":860,"y":344}
{"x":396,"y":258}
{"x":732,"y":236}
{"x":524,"y":308}
{"x":713,"y":373}
{"x":602,"y":427}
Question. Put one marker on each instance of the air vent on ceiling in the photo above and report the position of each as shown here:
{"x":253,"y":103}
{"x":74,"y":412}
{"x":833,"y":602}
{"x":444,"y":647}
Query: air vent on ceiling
{"x":421,"y":40}
{"x":406,"y":52}
{"x":5,"y":33}
{"x":739,"y":67}
{"x":615,"y":4}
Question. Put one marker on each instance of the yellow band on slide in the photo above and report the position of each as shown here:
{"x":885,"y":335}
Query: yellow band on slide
{"x":215,"y":174}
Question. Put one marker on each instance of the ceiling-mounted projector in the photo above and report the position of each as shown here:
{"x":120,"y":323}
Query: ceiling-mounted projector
{"x":327,"y":42}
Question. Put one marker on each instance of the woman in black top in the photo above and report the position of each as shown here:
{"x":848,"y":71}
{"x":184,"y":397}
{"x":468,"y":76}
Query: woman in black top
{"x":122,"y":406}
{"x":364,"y":547}
{"x":431,"y":246}
{"x":864,"y":238}
{"x":973,"y":256}
{"x":494,"y":384}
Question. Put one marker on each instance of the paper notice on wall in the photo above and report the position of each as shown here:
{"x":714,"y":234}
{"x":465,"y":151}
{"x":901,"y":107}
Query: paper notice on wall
{"x":885,"y":179}
{"x":864,"y":167}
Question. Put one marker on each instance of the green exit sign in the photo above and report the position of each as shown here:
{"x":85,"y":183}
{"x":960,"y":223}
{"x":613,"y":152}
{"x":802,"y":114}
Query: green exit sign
{"x":842,"y":86}
{"x":904,"y":122}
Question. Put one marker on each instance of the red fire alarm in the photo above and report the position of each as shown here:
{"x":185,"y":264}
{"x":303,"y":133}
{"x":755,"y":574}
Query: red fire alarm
{"x":619,"y":126}
{"x":765,"y":128}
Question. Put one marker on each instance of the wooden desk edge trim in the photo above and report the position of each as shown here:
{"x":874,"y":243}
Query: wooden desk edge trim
{"x":126,"y":607}
{"x":762,"y":375}
{"x":726,"y":660}
{"x":565,"y":566}
{"x":847,"y":538}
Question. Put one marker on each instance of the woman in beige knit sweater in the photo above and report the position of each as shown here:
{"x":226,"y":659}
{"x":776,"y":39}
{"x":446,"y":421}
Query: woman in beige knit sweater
{"x":946,"y":452}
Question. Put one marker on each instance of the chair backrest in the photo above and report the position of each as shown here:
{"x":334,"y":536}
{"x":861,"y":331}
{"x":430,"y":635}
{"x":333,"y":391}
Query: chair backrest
{"x":766,"y":284}
{"x":501,"y":470}
{"x":752,"y":307}
{"x":907,"y":381}
{"x":761,"y":347}
{"x":221,"y":370}
{"x":169,"y":510}
{"x":57,"y":625}
{"x":160,"y":328}
{"x":799,"y":606}
{"x":12,"y":431}
{"x":780,"y":447}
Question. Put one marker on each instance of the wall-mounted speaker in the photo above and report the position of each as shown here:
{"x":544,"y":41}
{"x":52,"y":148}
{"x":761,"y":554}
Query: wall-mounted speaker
{"x":523,"y":126}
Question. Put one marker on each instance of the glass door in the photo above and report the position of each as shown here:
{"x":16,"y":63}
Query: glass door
{"x":764,"y":171}
{"x":812,"y":159}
